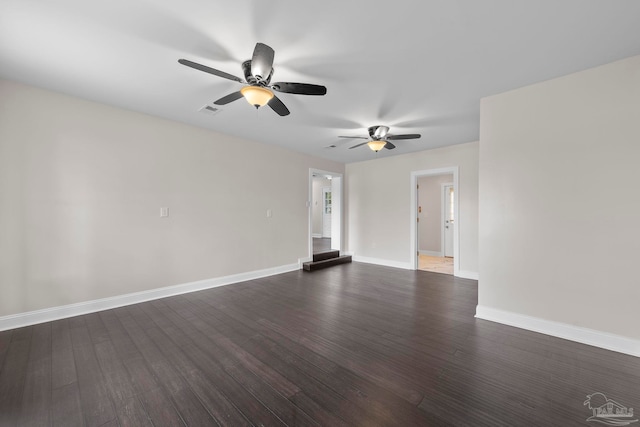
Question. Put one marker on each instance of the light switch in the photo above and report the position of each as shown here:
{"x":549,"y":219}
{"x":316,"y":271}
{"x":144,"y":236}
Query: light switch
{"x":268,"y":213}
{"x":164,"y":212}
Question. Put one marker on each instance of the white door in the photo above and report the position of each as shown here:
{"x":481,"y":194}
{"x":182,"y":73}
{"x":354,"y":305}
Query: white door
{"x":449,"y":209}
{"x":326,"y":212}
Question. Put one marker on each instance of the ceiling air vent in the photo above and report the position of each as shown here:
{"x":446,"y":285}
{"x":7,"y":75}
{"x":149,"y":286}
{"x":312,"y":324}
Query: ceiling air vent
{"x":208,"y":109}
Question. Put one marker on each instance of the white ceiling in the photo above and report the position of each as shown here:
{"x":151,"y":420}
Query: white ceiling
{"x":416,"y":66}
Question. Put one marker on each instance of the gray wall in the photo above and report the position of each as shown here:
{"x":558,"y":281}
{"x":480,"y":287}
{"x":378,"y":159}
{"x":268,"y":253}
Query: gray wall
{"x":81,"y":186}
{"x":559,"y":203}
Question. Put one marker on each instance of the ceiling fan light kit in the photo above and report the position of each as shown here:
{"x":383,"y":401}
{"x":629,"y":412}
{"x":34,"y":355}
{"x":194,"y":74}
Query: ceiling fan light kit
{"x":376,"y":144}
{"x":257,"y":95}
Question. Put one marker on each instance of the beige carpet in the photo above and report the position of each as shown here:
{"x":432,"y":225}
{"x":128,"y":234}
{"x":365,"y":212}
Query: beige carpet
{"x":436,"y":264}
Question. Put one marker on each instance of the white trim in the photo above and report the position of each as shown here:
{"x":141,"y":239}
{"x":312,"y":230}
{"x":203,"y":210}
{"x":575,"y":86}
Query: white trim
{"x":54,"y":313}
{"x":384,"y":262}
{"x":413,"y":257}
{"x":431,"y":253}
{"x":473,"y":275}
{"x":316,"y":236}
{"x":561,"y":330}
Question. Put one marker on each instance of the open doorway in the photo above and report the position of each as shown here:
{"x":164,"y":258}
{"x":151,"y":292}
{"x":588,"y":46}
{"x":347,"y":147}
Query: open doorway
{"x":435,"y":220}
{"x":325,"y":213}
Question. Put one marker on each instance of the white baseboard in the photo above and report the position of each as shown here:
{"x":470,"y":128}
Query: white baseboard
{"x":562,"y":330}
{"x":466,"y":274}
{"x":430,"y":253}
{"x":384,"y":262}
{"x":54,"y":313}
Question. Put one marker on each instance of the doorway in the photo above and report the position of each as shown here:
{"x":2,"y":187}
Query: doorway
{"x":434,"y":220}
{"x":325,"y":211}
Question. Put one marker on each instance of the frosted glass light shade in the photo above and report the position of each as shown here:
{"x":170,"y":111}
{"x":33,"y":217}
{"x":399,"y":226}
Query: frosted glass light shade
{"x":376,"y":145}
{"x":256,"y":95}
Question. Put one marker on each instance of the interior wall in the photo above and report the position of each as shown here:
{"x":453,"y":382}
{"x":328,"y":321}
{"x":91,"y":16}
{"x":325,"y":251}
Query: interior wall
{"x":430,"y":202}
{"x":318,"y":183}
{"x":379,"y":198}
{"x":82,"y":184}
{"x":560,"y":236}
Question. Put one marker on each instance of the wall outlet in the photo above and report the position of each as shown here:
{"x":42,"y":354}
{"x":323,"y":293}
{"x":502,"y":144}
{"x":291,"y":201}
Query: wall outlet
{"x":164,"y":212}
{"x":269,"y":213}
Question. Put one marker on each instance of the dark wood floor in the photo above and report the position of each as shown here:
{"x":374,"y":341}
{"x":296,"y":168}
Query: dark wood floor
{"x":355,"y":344}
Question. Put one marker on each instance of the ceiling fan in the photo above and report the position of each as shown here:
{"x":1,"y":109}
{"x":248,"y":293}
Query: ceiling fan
{"x":259,"y":90}
{"x":379,"y":138}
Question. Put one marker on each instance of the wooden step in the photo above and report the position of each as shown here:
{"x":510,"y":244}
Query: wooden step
{"x":321,"y":256}
{"x":317,"y":265}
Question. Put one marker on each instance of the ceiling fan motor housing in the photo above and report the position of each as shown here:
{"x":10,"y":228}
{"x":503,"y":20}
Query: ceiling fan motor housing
{"x":254,"y":80}
{"x":378,"y":132}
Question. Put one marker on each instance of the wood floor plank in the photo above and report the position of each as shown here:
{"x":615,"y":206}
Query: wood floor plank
{"x":12,"y":376}
{"x":5,"y":339}
{"x":122,"y":342}
{"x":36,"y":399}
{"x":97,"y":329}
{"x":63,"y":366}
{"x":131,"y":413}
{"x":66,"y":408}
{"x":116,"y":377}
{"x":96,"y":401}
{"x":160,"y":409}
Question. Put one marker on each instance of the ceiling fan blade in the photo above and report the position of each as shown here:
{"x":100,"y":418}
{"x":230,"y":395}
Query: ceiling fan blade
{"x":229,"y":98}
{"x":277,"y":106}
{"x":358,"y":145}
{"x":353,"y":137}
{"x":405,"y":136}
{"x":210,"y":70}
{"x":299,"y":88}
{"x":389,"y":146}
{"x":262,"y":61}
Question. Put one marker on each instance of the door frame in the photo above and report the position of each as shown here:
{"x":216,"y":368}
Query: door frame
{"x":443,"y":201}
{"x":337,"y":210}
{"x":413,"y":212}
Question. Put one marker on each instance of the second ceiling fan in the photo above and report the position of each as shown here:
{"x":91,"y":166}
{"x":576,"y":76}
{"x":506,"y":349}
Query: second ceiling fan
{"x":259,"y":90}
{"x":379,"y":138}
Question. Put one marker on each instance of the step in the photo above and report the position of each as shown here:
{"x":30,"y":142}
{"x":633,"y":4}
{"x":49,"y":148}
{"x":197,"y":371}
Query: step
{"x":317,"y":265}
{"x":321,"y":256}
